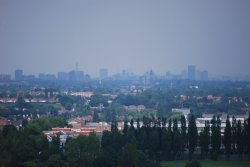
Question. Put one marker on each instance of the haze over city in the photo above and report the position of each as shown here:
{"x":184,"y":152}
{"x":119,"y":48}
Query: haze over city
{"x":51,"y":36}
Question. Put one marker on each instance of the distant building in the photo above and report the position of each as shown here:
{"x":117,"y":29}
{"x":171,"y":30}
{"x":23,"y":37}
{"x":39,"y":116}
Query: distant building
{"x":63,"y":76}
{"x":76,"y":76}
{"x":184,"y":74}
{"x":184,"y":111}
{"x":82,"y":94}
{"x":28,"y":77}
{"x":18,"y":75}
{"x":80,"y":75}
{"x":46,"y":76}
{"x":204,"y":75}
{"x":103,"y":73}
{"x":191,"y":72}
{"x":198,"y":75}
{"x":5,"y":77}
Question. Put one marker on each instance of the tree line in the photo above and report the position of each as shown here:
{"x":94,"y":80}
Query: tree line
{"x":160,"y":139}
{"x":157,"y":139}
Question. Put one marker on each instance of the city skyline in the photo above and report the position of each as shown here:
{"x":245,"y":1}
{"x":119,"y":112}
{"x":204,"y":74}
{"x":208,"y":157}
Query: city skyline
{"x":20,"y":74}
{"x":137,"y":36}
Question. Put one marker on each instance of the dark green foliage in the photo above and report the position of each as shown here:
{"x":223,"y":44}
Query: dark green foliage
{"x":140,"y":146}
{"x":248,"y":133}
{"x":96,"y":116}
{"x":193,"y":163}
{"x":82,"y":150}
{"x":192,"y":136}
{"x":131,"y":157}
{"x":205,"y":139}
{"x":227,"y":138}
{"x":183,"y":133}
{"x":234,"y":134}
{"x":98,"y":99}
{"x":43,"y":124}
{"x":55,"y":160}
{"x":67,"y":102}
{"x":177,"y":141}
{"x":18,"y":147}
{"x":245,"y":138}
{"x":215,"y":137}
{"x":166,"y":144}
{"x":239,"y":138}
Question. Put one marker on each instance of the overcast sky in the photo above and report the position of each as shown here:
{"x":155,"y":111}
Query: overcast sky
{"x":136,"y":35}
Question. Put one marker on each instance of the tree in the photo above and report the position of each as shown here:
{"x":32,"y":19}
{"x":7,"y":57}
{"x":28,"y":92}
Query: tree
{"x":131,"y":157}
{"x":183,"y":133}
{"x":215,"y":137}
{"x":177,"y":143}
{"x":166,"y":139}
{"x":244,"y":138}
{"x":95,"y":116}
{"x":192,"y":136}
{"x":239,"y":139}
{"x":55,"y":160}
{"x":227,"y":138}
{"x":248,"y":132}
{"x":125,"y":129}
{"x":67,"y":102}
{"x":82,"y":150}
{"x":205,"y":139}
{"x":234,"y":134}
{"x":154,"y":142}
{"x":142,"y":139}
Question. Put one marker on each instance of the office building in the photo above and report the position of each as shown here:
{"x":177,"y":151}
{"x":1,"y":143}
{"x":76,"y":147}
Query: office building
{"x":5,"y":77}
{"x":103,"y":73}
{"x":191,"y":72}
{"x":18,"y":75}
{"x":63,"y":76}
{"x":204,"y":75}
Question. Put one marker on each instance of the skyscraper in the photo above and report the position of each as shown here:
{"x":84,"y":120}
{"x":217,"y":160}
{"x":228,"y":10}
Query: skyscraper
{"x":204,"y":75}
{"x":103,"y":73}
{"x":62,"y":76}
{"x":191,"y":72}
{"x":18,"y":75}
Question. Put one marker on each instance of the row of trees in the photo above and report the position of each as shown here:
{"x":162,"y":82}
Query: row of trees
{"x":140,"y":145}
{"x":162,"y":140}
{"x":29,"y":147}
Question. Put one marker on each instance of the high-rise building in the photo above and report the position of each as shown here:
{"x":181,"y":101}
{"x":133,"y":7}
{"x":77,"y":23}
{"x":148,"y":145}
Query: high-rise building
{"x":191,"y":72}
{"x":42,"y":76}
{"x":18,"y":75}
{"x":204,"y":75}
{"x":76,"y":76}
{"x":5,"y":77}
{"x":62,"y":76}
{"x":79,"y":75}
{"x":103,"y":73}
{"x":198,"y":75}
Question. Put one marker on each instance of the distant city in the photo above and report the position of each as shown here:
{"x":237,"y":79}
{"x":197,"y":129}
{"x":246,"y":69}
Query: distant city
{"x":191,"y":73}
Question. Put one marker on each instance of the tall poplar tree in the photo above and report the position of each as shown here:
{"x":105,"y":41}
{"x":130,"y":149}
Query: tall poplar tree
{"x":239,"y":138}
{"x":192,"y":136}
{"x":228,"y":138}
{"x":205,"y":139}
{"x":215,"y":137}
{"x":234,"y":134}
{"x":183,"y":133}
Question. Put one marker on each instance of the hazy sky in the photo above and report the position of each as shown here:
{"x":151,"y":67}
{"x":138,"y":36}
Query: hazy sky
{"x":136,"y":35}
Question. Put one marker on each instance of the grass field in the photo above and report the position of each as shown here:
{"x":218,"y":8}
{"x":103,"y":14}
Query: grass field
{"x":209,"y":163}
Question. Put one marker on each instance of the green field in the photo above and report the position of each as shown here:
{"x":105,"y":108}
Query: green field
{"x":209,"y":163}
